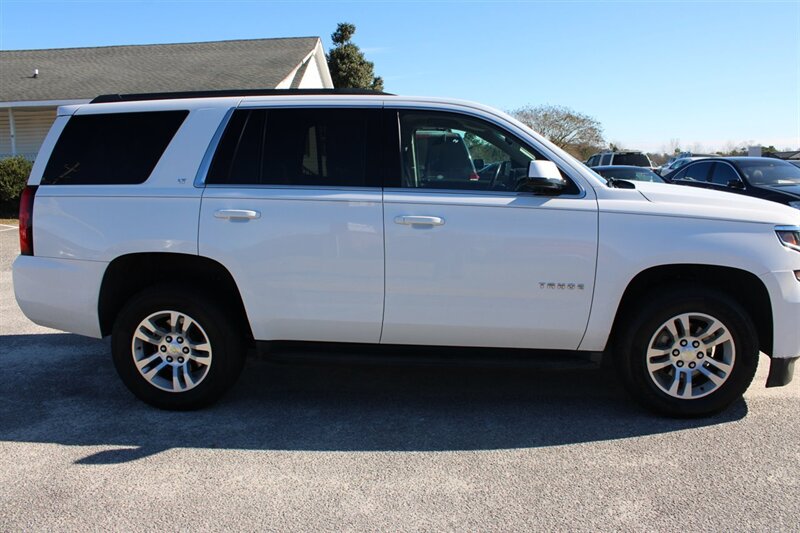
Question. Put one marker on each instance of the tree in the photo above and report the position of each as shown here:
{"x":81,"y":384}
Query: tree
{"x":349,"y":68}
{"x":579,"y":134}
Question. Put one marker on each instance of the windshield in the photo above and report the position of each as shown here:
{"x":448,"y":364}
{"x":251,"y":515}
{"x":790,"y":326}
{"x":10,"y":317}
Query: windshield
{"x":634,"y":173}
{"x":769,"y":172}
{"x":637,"y":160}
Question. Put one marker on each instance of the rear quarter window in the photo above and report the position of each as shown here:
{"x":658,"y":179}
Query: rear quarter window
{"x":636,"y":160}
{"x":111,"y":149}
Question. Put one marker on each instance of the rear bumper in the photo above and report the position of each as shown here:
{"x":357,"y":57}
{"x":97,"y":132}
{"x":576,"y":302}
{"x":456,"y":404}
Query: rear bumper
{"x":59,"y":293}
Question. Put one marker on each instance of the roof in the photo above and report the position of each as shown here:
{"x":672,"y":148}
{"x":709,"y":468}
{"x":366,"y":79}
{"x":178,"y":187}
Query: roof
{"x":83,"y":73}
{"x":106,"y":98}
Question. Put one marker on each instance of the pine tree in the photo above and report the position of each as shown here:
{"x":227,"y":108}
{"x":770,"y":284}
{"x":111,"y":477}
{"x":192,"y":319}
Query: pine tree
{"x":349,"y":68}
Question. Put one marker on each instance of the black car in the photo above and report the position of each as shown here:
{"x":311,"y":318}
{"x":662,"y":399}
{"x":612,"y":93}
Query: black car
{"x":628,"y":172}
{"x":762,"y":177}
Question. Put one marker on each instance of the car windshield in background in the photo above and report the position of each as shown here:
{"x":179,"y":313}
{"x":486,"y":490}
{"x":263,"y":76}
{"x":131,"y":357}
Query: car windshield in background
{"x":637,"y":160}
{"x":633,"y":173}
{"x":770,"y":172}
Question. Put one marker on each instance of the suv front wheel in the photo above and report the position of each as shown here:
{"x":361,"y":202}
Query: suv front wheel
{"x":175,"y":349}
{"x":689,"y":351}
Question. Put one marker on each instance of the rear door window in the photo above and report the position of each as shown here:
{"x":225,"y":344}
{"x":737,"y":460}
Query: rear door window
{"x":606,"y":159}
{"x":299,"y":147}
{"x":697,"y":172}
{"x":723,"y":174}
{"x":111,"y":149}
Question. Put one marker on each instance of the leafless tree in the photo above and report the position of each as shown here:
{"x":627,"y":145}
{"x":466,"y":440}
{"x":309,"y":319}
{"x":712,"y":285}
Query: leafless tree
{"x":573,"y":131}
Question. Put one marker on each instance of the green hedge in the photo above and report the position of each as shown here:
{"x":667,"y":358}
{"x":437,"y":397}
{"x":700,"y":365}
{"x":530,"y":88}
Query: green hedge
{"x":14,"y":172}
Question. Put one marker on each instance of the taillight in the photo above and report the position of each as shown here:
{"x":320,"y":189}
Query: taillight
{"x":26,"y":220}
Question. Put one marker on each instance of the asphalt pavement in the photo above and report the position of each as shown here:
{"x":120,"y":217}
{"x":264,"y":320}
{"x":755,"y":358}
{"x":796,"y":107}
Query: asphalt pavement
{"x":320,"y":447}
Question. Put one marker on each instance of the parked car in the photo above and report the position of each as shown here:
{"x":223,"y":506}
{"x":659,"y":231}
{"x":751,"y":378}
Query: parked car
{"x":669,"y":168}
{"x":794,"y":162}
{"x":190,"y":227}
{"x":628,"y":172}
{"x":633,"y":158}
{"x":762,"y":177}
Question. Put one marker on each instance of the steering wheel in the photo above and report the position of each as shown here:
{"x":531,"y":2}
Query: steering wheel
{"x":496,"y":174}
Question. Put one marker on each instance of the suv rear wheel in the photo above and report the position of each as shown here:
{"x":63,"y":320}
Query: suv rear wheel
{"x":176,"y":350}
{"x":688,"y":352}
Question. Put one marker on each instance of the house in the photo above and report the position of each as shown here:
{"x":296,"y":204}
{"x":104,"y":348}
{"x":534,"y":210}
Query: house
{"x":33,"y":83}
{"x":793,"y":155}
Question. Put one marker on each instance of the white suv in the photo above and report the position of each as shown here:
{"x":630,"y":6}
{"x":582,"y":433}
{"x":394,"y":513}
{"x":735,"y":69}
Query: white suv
{"x":190,"y":227}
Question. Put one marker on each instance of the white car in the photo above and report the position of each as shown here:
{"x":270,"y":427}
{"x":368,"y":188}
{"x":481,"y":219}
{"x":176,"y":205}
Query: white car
{"x":193,"y":226}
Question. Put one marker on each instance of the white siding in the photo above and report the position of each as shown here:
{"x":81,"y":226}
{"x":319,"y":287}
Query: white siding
{"x":31,"y":124}
{"x":5,"y":133}
{"x":311,"y":78}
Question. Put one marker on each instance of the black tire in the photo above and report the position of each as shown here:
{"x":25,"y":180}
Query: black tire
{"x":643,"y":323}
{"x":214,"y":318}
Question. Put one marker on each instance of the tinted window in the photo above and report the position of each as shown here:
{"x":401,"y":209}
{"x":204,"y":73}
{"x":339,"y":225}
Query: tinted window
{"x":723,"y":174}
{"x":299,"y":147}
{"x":593,"y":161}
{"x":606,"y":159}
{"x":696,"y":172}
{"x":449,"y":151}
{"x":677,"y":176}
{"x":769,"y":172}
{"x":637,"y":160}
{"x":114,"y":148}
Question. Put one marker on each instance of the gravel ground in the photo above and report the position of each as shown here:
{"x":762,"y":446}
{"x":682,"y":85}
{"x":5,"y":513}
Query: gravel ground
{"x":356,"y":447}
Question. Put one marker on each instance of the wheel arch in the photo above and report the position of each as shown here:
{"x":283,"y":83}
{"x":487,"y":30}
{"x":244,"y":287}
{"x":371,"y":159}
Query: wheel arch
{"x":743,"y":286}
{"x":129,"y":274}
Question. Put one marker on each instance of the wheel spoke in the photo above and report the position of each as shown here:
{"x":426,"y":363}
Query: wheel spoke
{"x":174,"y":318}
{"x":721,"y":339}
{"x":187,"y":377}
{"x":187,"y":323}
{"x":715,"y":379}
{"x":155,"y":328}
{"x":202,"y":347}
{"x":687,"y":386}
{"x":657,"y":352}
{"x":142,"y":363}
{"x":176,"y":383}
{"x":725,"y":367}
{"x":670,"y":325}
{"x":150,"y":374}
{"x":146,"y":336}
{"x":676,"y":380}
{"x":655,"y":366}
{"x":203,"y":360}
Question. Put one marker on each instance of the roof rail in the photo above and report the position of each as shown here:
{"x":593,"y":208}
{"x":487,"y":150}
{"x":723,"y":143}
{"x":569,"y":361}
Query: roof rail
{"x":106,"y":98}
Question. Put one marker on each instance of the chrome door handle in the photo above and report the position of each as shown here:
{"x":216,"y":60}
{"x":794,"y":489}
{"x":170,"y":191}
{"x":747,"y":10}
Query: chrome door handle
{"x":236,"y":213}
{"x":409,"y":220}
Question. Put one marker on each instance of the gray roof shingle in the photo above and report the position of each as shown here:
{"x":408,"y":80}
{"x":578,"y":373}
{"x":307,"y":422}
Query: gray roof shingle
{"x":78,"y":73}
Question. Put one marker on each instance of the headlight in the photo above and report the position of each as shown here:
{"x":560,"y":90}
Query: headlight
{"x":796,"y":205}
{"x":789,"y":236}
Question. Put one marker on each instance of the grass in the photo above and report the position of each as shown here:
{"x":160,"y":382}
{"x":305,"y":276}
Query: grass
{"x":9,"y":221}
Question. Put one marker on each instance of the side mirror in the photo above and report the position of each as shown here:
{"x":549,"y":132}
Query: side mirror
{"x":543,"y":178}
{"x":735,"y":184}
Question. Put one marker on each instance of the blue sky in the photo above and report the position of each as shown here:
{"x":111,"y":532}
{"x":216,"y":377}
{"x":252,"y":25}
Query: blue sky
{"x":707,"y":73}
